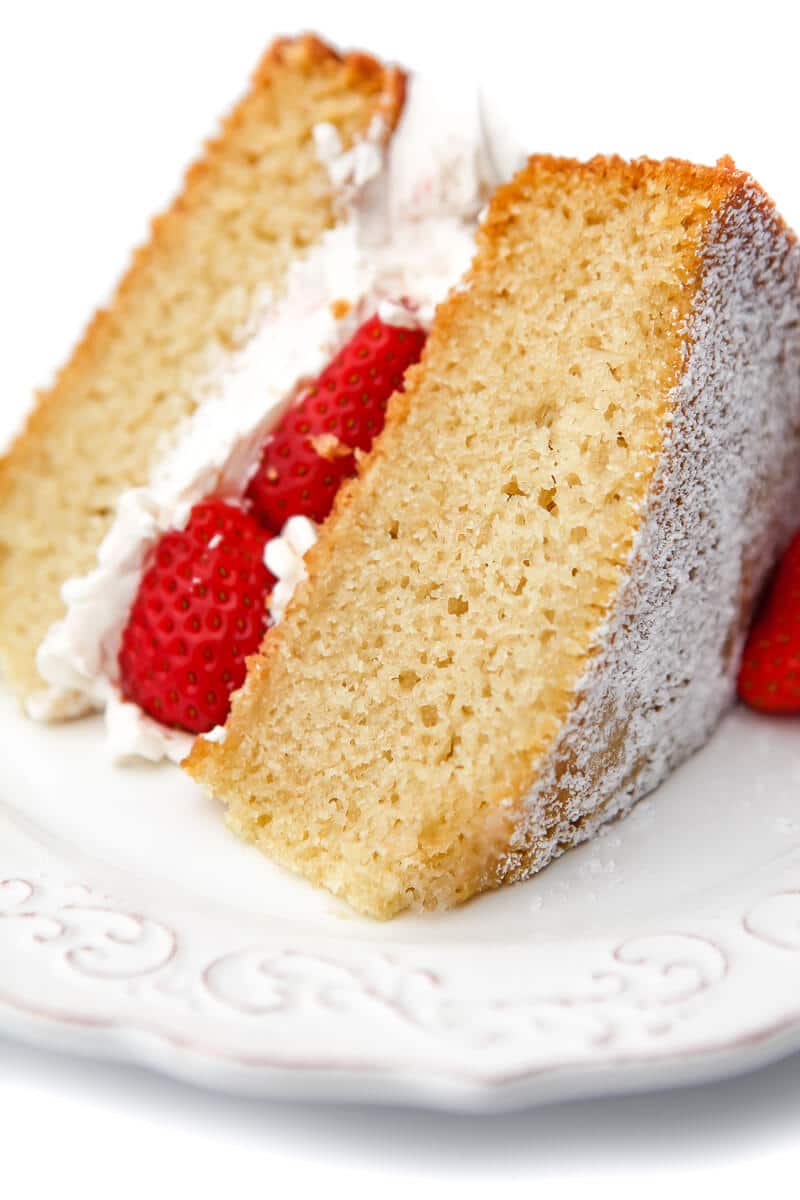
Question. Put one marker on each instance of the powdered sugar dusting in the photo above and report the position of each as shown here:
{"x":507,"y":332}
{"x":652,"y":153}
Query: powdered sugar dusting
{"x":724,"y":499}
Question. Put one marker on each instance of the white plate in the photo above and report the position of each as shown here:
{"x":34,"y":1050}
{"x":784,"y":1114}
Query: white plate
{"x":134,"y":926}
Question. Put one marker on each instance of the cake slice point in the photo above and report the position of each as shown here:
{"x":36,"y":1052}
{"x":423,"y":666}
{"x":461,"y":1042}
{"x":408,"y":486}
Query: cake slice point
{"x":530,"y":606}
{"x":257,"y":200}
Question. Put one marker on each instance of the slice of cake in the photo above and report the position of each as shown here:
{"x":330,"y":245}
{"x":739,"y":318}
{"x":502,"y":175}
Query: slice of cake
{"x":530,"y":606}
{"x":334,"y":212}
{"x":259,"y":200}
{"x":308,"y":250}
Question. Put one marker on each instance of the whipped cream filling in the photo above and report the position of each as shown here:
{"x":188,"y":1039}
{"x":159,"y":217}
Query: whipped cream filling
{"x":404,"y":238}
{"x":284,"y":556}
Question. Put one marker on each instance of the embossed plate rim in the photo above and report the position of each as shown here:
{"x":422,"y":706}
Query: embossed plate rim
{"x":110,"y":960}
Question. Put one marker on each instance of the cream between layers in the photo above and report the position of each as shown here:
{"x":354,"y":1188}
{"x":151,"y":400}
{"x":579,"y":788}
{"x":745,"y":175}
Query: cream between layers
{"x":408,"y":235}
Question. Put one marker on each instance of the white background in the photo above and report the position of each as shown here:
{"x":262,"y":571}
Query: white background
{"x":101,"y":105}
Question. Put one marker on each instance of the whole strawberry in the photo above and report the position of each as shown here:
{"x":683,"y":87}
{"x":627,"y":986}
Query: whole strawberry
{"x":311,"y":451}
{"x":769,"y":677}
{"x":200,"y":609}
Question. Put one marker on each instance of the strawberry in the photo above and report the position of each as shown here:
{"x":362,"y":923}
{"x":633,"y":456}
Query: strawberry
{"x":769,"y":677}
{"x":200,"y":608}
{"x":311,"y":451}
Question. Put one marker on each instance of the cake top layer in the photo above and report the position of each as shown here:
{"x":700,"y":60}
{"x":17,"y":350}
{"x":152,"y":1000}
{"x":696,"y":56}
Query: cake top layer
{"x":457,"y":593}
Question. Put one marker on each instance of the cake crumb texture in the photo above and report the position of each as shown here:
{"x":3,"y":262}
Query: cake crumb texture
{"x":529,"y":606}
{"x":257,"y":198}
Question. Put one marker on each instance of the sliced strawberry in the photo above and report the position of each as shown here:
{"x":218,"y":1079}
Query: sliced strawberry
{"x":310,"y":452}
{"x":200,"y":609}
{"x":769,"y":677}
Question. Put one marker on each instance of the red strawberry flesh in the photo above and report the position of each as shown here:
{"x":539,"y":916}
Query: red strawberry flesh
{"x":199,"y":611}
{"x":769,"y":677}
{"x":310,"y":452}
